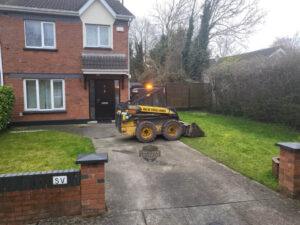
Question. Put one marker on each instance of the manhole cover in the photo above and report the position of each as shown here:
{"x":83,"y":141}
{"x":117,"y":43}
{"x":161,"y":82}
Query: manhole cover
{"x":150,"y":153}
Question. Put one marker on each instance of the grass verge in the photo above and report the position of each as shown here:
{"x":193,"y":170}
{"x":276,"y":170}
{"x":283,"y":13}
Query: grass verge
{"x":243,"y":145}
{"x":41,"y":151}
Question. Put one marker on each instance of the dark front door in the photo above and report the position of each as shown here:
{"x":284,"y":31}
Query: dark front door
{"x":105,"y":99}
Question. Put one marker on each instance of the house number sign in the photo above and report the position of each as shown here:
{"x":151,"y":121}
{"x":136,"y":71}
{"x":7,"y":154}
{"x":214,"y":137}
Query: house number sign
{"x":59,"y":180}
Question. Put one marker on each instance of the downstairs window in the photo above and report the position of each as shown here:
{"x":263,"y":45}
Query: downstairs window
{"x":44,"y":95}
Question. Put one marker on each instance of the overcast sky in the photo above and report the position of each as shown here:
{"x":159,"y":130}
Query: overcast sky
{"x":283,"y":19}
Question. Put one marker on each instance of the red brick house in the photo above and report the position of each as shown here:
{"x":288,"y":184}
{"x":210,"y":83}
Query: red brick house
{"x":67,"y":60}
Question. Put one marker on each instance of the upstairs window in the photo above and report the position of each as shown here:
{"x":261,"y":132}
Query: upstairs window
{"x":39,"y":34}
{"x":97,"y":36}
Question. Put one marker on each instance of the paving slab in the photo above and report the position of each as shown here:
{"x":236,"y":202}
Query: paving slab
{"x":124,"y":218}
{"x":244,"y":213}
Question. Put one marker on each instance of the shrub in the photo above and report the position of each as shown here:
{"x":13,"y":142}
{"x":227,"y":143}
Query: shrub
{"x":7,"y":100}
{"x":265,"y":89}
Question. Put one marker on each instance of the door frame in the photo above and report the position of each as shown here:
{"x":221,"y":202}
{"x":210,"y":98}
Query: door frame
{"x":92,"y":96}
{"x":105,"y":98}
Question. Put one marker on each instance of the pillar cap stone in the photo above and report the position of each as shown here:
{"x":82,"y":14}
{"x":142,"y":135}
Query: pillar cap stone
{"x":95,"y":158}
{"x":290,"y":146}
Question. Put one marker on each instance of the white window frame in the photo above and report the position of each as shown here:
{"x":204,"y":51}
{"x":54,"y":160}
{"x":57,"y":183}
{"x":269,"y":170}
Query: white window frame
{"x":43,"y":46}
{"x":98,"y":36}
{"x":38,"y":96}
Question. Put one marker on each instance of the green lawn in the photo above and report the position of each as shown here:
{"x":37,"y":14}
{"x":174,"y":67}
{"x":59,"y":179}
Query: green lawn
{"x":242,"y":145}
{"x":41,"y":151}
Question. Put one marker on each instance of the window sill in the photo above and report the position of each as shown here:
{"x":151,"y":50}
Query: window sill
{"x":41,"y":49}
{"x":45,"y":112}
{"x":98,"y":48}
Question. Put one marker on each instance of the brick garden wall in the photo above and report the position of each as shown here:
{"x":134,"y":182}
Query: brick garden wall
{"x":289,"y":173}
{"x":22,"y":207}
{"x":92,"y":189}
{"x":28,"y":198}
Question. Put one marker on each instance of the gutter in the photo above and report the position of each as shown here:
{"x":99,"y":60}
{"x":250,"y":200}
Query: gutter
{"x":106,"y":72}
{"x":101,"y":71}
{"x":125,"y":17}
{"x":129,"y":77}
{"x":1,"y":68}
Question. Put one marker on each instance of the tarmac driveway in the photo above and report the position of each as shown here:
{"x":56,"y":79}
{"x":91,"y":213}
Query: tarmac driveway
{"x":182,"y":187}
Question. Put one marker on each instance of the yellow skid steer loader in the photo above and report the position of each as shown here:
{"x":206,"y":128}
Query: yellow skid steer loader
{"x":146,"y":122}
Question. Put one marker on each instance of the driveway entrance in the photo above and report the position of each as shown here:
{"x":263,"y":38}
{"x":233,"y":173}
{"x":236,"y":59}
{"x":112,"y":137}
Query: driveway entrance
{"x":182,"y":187}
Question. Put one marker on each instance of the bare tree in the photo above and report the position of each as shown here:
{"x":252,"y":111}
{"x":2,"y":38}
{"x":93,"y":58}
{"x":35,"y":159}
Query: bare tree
{"x":234,"y":18}
{"x":172,"y":14}
{"x":143,"y":31}
{"x":224,"y":46}
{"x":171,"y":18}
{"x":289,"y":43}
{"x":231,"y":22}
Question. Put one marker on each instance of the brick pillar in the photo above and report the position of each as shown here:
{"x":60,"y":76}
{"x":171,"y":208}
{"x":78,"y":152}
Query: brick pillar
{"x":289,"y":169}
{"x":92,"y":183}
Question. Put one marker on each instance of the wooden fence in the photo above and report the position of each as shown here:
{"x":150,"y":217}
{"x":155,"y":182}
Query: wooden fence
{"x":177,"y":95}
{"x":188,"y":95}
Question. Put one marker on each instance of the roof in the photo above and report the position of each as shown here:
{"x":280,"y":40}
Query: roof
{"x":66,"y":5}
{"x":267,"y":52}
{"x":69,"y":5}
{"x":118,"y":7}
{"x":104,"y":61}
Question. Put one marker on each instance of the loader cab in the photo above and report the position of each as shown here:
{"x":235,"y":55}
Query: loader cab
{"x":153,"y":97}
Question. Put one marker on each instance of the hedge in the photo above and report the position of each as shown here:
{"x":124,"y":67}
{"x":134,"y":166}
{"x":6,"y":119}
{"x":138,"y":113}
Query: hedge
{"x":7,"y":100}
{"x":264,"y":89}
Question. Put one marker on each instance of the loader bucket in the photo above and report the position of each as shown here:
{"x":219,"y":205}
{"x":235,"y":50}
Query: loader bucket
{"x":192,"y":130}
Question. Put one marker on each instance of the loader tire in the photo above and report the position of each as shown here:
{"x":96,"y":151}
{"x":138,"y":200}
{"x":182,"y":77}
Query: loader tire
{"x":172,"y":130}
{"x":146,"y":132}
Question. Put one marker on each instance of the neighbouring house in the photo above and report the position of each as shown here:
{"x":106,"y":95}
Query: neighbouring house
{"x":262,"y":53}
{"x":266,"y":53}
{"x":67,"y":60}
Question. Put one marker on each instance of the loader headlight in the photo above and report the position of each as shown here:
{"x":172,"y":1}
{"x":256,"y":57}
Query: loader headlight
{"x":149,"y":86}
